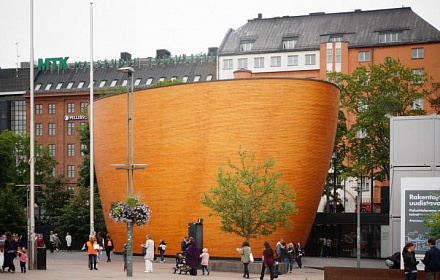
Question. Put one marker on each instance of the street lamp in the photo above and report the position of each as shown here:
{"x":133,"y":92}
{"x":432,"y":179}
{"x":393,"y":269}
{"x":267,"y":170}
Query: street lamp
{"x":359,"y":189}
{"x":129,"y":166}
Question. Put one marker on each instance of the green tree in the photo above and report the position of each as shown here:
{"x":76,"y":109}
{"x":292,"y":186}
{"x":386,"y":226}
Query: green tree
{"x":54,"y":197}
{"x":167,"y":82}
{"x":249,"y":199}
{"x":112,"y":90}
{"x":369,"y":97}
{"x":75,"y":215}
{"x":12,"y":213}
{"x":432,"y":221}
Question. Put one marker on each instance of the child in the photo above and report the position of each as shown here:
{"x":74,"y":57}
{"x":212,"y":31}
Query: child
{"x":205,"y":259}
{"x":23,"y":259}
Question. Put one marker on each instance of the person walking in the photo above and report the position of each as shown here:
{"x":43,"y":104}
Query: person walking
{"x":69,"y":242}
{"x":10,"y":247}
{"x":409,"y":262}
{"x":149,"y":254}
{"x":23,"y":259}
{"x":162,"y":247}
{"x":245,"y":252}
{"x":291,"y":254}
{"x":51,"y":241}
{"x":100,"y":241}
{"x":183,"y":245}
{"x":192,"y":256}
{"x":432,"y":261}
{"x":299,"y":254}
{"x":109,"y":246}
{"x":204,"y":261}
{"x":268,"y":261}
{"x":92,"y":250}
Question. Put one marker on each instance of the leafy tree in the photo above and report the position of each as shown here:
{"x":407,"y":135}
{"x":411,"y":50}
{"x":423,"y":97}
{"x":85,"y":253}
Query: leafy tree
{"x":167,"y":82}
{"x":432,"y":221}
{"x":13,"y":215}
{"x":75,"y":215}
{"x":55,"y":194}
{"x":112,"y":90}
{"x":369,"y":97}
{"x":249,"y":199}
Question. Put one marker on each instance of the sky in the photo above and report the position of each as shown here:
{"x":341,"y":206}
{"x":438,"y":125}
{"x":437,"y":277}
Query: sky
{"x":140,"y":27}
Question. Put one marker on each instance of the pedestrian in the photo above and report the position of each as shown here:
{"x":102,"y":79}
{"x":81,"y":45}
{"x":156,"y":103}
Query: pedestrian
{"x":109,"y":246}
{"x":51,"y":241}
{"x":432,"y":261}
{"x":57,"y":242}
{"x":92,"y":250}
{"x":2,"y":252}
{"x":409,"y":262}
{"x":299,"y":254}
{"x":245,"y":252}
{"x":192,"y":256}
{"x":328,"y":248}
{"x":204,"y":260}
{"x":279,"y":248}
{"x":149,"y":254}
{"x":69,"y":242}
{"x":183,"y":245}
{"x":162,"y":247}
{"x":40,"y":241}
{"x":268,"y":261}
{"x":291,"y":255}
{"x":100,"y":242}
{"x":10,"y":249}
{"x":23,"y":259}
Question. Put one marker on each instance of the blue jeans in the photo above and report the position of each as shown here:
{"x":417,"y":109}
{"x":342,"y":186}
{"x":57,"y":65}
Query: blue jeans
{"x":290,"y":262}
{"x":161,"y":255}
{"x":92,"y":261}
{"x":410,"y":276}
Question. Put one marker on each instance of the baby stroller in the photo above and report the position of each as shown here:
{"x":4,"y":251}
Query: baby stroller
{"x":181,"y":265}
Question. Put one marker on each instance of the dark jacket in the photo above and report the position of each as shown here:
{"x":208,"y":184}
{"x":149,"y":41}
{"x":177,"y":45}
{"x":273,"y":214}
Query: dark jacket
{"x":432,"y":260}
{"x":409,"y":261}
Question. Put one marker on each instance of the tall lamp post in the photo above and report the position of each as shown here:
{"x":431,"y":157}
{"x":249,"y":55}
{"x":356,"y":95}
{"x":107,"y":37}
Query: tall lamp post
{"x":129,"y":166}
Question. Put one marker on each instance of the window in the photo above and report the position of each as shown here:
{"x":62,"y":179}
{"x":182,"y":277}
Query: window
{"x":246,"y":46}
{"x":59,"y":85}
{"x":310,"y":59}
{"x":137,"y":82}
{"x":93,"y":84}
{"x":69,"y":85}
{"x":289,"y":43}
{"x":38,"y":109}
{"x":361,"y":134}
{"x":209,"y":77}
{"x":417,"y":53}
{"x":185,"y":79}
{"x":51,"y":150}
{"x":259,"y":62}
{"x":364,"y":183}
{"x":292,"y":60}
{"x":335,"y":38}
{"x":38,"y":87}
{"x":83,"y":148}
{"x":228,"y":64}
{"x":52,"y":129}
{"x":389,"y":37}
{"x":18,"y":116}
{"x":53,"y":172}
{"x":81,"y":84}
{"x":124,"y":83}
{"x":102,"y":83}
{"x":275,"y":61}
{"x":417,"y":77}
{"x":417,"y":104}
{"x":149,"y":81}
{"x":48,"y":86}
{"x":70,"y":150}
{"x":38,"y":129}
{"x":114,"y":82}
{"x":51,"y":108}
{"x":39,"y":151}
{"x":83,"y":107}
{"x":70,"y":107}
{"x":70,"y":128}
{"x":197,"y":78}
{"x":161,"y":79}
{"x":338,"y":55}
{"x":242,"y":63}
{"x":71,"y":171}
{"x":329,"y":56}
{"x":173,"y":78}
{"x":363,"y":56}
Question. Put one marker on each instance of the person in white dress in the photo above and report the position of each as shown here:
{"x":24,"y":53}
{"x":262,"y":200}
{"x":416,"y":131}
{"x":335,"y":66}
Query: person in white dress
{"x":149,"y":256}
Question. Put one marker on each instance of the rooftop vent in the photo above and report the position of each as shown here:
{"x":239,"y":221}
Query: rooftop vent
{"x":212,"y":51}
{"x":125,"y":56}
{"x":357,"y":10}
{"x":162,"y":53}
{"x":260,"y":15}
{"x":317,"y":14}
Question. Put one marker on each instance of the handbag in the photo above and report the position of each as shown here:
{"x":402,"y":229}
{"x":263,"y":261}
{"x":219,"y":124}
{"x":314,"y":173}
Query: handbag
{"x":251,"y":257}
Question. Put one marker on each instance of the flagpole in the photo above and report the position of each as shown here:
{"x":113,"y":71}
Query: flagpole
{"x":31,"y":235}
{"x":91,"y":128}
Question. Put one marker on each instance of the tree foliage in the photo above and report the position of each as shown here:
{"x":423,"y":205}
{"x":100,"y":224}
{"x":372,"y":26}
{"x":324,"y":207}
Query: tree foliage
{"x":167,"y":82}
{"x":54,"y":197}
{"x":106,"y":91}
{"x":12,"y":213}
{"x":249,"y":198}
{"x":369,"y":97}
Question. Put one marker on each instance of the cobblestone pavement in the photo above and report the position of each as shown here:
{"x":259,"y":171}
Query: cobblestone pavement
{"x":62,"y":265}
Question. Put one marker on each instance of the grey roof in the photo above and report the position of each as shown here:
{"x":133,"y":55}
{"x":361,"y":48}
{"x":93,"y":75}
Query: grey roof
{"x":144,"y":71}
{"x":359,"y":28}
{"x":14,"y":80}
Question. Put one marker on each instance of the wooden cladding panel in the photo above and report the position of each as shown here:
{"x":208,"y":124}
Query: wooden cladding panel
{"x":185,"y":132}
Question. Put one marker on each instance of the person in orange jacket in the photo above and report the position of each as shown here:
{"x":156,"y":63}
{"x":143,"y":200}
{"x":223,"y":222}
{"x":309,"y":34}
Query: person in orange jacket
{"x":92,"y":248}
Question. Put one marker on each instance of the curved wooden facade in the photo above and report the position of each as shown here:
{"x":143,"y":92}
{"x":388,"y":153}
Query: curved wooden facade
{"x":185,"y":132}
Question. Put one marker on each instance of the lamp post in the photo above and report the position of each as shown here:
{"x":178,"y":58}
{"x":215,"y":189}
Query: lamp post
{"x":129,"y":166}
{"x":358,"y":227}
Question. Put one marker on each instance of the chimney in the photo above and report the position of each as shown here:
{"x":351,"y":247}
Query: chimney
{"x":162,"y":52}
{"x":125,"y":56}
{"x":212,"y":51}
{"x":260,"y":15}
